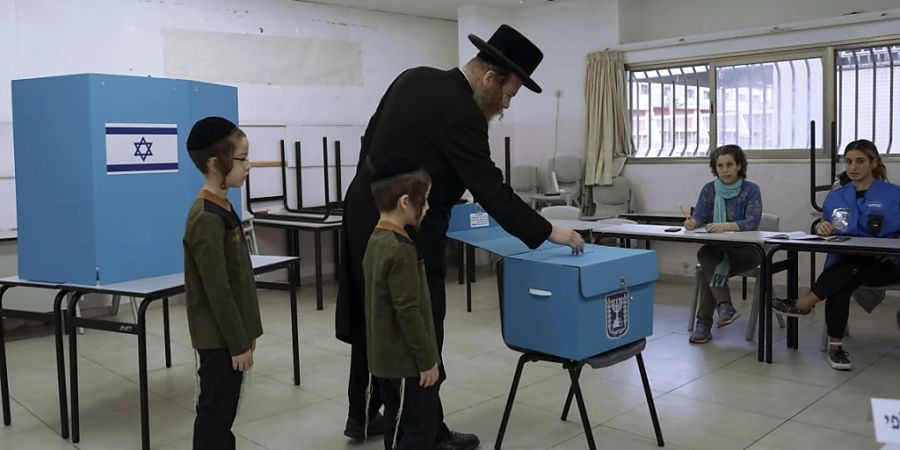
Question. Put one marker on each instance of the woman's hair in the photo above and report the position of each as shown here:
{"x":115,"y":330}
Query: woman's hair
{"x":388,"y":191}
{"x":736,"y":152}
{"x":868,"y":147}
{"x":222,"y":150}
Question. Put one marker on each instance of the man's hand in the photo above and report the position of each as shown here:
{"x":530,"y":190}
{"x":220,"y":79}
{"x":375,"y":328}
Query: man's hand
{"x":565,"y":236}
{"x":721,"y":227}
{"x":824,"y":228}
{"x":429,"y":377}
{"x":690,"y":224}
{"x":242,"y":362}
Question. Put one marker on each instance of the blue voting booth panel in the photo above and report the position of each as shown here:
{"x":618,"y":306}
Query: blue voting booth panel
{"x":103,"y":177}
{"x":578,"y":306}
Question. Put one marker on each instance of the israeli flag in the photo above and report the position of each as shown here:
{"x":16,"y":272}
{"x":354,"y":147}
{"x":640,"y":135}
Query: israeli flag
{"x":141,"y":148}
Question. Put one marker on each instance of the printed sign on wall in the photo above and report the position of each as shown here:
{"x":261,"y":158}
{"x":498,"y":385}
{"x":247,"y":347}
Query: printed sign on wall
{"x":141,"y":148}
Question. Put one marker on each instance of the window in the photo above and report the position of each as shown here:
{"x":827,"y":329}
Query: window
{"x":666,"y":117}
{"x":768,"y":106}
{"x":868,"y":96}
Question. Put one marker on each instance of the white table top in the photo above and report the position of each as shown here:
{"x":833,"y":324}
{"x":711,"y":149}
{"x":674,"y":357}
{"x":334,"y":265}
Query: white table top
{"x":658,"y":232}
{"x":332,"y":218}
{"x":577,"y":225}
{"x":301,"y":224}
{"x":146,"y":286}
{"x":884,"y":244}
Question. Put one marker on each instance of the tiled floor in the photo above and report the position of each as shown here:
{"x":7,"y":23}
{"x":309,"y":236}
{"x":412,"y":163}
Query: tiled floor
{"x":713,"y":396}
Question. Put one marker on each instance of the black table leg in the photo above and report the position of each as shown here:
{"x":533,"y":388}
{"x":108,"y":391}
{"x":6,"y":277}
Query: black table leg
{"x":72,"y":329}
{"x":142,"y":373}
{"x":470,"y":275}
{"x":166,"y":332}
{"x":318,"y":244}
{"x":58,"y":322}
{"x":295,"y":331}
{"x":768,"y":305}
{"x":4,"y":380}
{"x":793,"y":292}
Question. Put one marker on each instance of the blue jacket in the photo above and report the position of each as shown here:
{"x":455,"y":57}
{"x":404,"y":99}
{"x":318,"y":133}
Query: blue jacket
{"x":882,"y":198}
{"x":745,"y":210}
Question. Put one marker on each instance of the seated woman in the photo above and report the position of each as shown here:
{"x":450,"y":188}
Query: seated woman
{"x":728,"y":203}
{"x":869,"y":206}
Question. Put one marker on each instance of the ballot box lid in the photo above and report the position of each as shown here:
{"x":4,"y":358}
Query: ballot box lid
{"x":470,"y":216}
{"x":602,"y":269}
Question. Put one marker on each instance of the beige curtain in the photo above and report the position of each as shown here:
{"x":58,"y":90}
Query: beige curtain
{"x":608,"y":127}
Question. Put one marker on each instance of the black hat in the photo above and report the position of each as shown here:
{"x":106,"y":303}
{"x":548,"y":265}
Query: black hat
{"x":207,"y":131}
{"x":395,"y":165}
{"x":511,"y":50}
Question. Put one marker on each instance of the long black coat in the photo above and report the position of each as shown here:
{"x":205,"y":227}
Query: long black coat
{"x":428,"y":115}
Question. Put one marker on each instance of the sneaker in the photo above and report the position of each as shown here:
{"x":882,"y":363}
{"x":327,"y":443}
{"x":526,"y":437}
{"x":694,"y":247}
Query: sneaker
{"x":701,"y":334}
{"x":786,"y":307}
{"x":727,"y":315}
{"x":354,"y":428}
{"x":839,"y":358}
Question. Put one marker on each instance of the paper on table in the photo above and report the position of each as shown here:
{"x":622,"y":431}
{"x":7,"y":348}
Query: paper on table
{"x":797,"y":236}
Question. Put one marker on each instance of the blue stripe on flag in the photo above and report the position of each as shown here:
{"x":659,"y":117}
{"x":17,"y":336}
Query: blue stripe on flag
{"x":135,"y":130}
{"x":140,"y":167}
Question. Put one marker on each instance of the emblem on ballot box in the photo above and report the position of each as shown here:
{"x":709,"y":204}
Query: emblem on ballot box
{"x":617,"y":314}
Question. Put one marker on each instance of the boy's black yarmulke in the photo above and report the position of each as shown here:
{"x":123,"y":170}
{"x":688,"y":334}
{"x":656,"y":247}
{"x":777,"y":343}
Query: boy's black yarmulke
{"x":395,"y":165}
{"x":207,"y":131}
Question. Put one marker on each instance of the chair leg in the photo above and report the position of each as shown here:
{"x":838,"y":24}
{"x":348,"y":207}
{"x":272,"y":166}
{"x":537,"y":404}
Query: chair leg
{"x":650,"y":404}
{"x":754,"y":309}
{"x":693,"y":310}
{"x":743,"y":288}
{"x":509,"y":401}
{"x":569,"y":396}
{"x":134,"y":308}
{"x":116,"y":300}
{"x":573,"y":375}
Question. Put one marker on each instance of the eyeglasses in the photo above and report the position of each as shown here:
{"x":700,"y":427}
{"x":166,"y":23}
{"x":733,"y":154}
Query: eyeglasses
{"x":243,"y":160}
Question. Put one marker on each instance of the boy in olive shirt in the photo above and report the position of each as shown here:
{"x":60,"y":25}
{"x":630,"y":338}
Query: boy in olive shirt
{"x":220,"y":292}
{"x":400,"y":337}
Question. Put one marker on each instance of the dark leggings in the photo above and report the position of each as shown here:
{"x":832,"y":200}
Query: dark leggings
{"x":837,"y":282}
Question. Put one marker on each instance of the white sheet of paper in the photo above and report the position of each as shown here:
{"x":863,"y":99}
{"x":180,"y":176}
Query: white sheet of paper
{"x":886,"y":417}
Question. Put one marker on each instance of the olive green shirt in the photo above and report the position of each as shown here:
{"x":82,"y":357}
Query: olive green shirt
{"x":400,"y":335}
{"x":220,"y":290}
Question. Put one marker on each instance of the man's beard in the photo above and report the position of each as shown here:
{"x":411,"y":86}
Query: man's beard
{"x":490,"y":101}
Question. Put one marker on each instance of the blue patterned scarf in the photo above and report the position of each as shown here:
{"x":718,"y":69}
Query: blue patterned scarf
{"x":720,"y":215}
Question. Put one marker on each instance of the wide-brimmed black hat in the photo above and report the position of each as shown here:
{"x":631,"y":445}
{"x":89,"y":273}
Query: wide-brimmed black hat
{"x":511,"y":50}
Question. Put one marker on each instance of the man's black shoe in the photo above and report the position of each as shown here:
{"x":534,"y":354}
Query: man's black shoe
{"x":354,"y":428}
{"x":458,"y":441}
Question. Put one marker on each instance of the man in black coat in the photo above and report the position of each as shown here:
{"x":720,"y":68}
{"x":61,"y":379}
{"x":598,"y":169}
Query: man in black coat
{"x":439,"y":119}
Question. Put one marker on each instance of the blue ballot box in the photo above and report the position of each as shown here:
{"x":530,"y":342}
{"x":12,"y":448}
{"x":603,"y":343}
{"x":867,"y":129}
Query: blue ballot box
{"x":570,"y":306}
{"x":103,"y":177}
{"x":577,"y":306}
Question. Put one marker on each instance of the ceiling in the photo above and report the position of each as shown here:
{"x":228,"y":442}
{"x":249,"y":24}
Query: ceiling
{"x":441,"y":9}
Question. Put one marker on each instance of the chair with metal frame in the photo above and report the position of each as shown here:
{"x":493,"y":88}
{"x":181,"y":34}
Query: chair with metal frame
{"x":768,"y":222}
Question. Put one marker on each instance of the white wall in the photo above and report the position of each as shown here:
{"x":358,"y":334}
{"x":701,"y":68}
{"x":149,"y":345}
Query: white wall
{"x":648,"y":20}
{"x":568,"y":31}
{"x":52,"y":37}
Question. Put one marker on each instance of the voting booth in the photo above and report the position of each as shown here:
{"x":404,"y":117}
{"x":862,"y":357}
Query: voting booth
{"x":103,"y":177}
{"x":571,"y":306}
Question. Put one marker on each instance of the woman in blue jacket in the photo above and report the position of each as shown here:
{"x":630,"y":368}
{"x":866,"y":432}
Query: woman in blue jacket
{"x":728,"y":203}
{"x":869,"y":206}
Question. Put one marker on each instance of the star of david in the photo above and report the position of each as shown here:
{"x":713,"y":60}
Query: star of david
{"x":137,"y":149}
